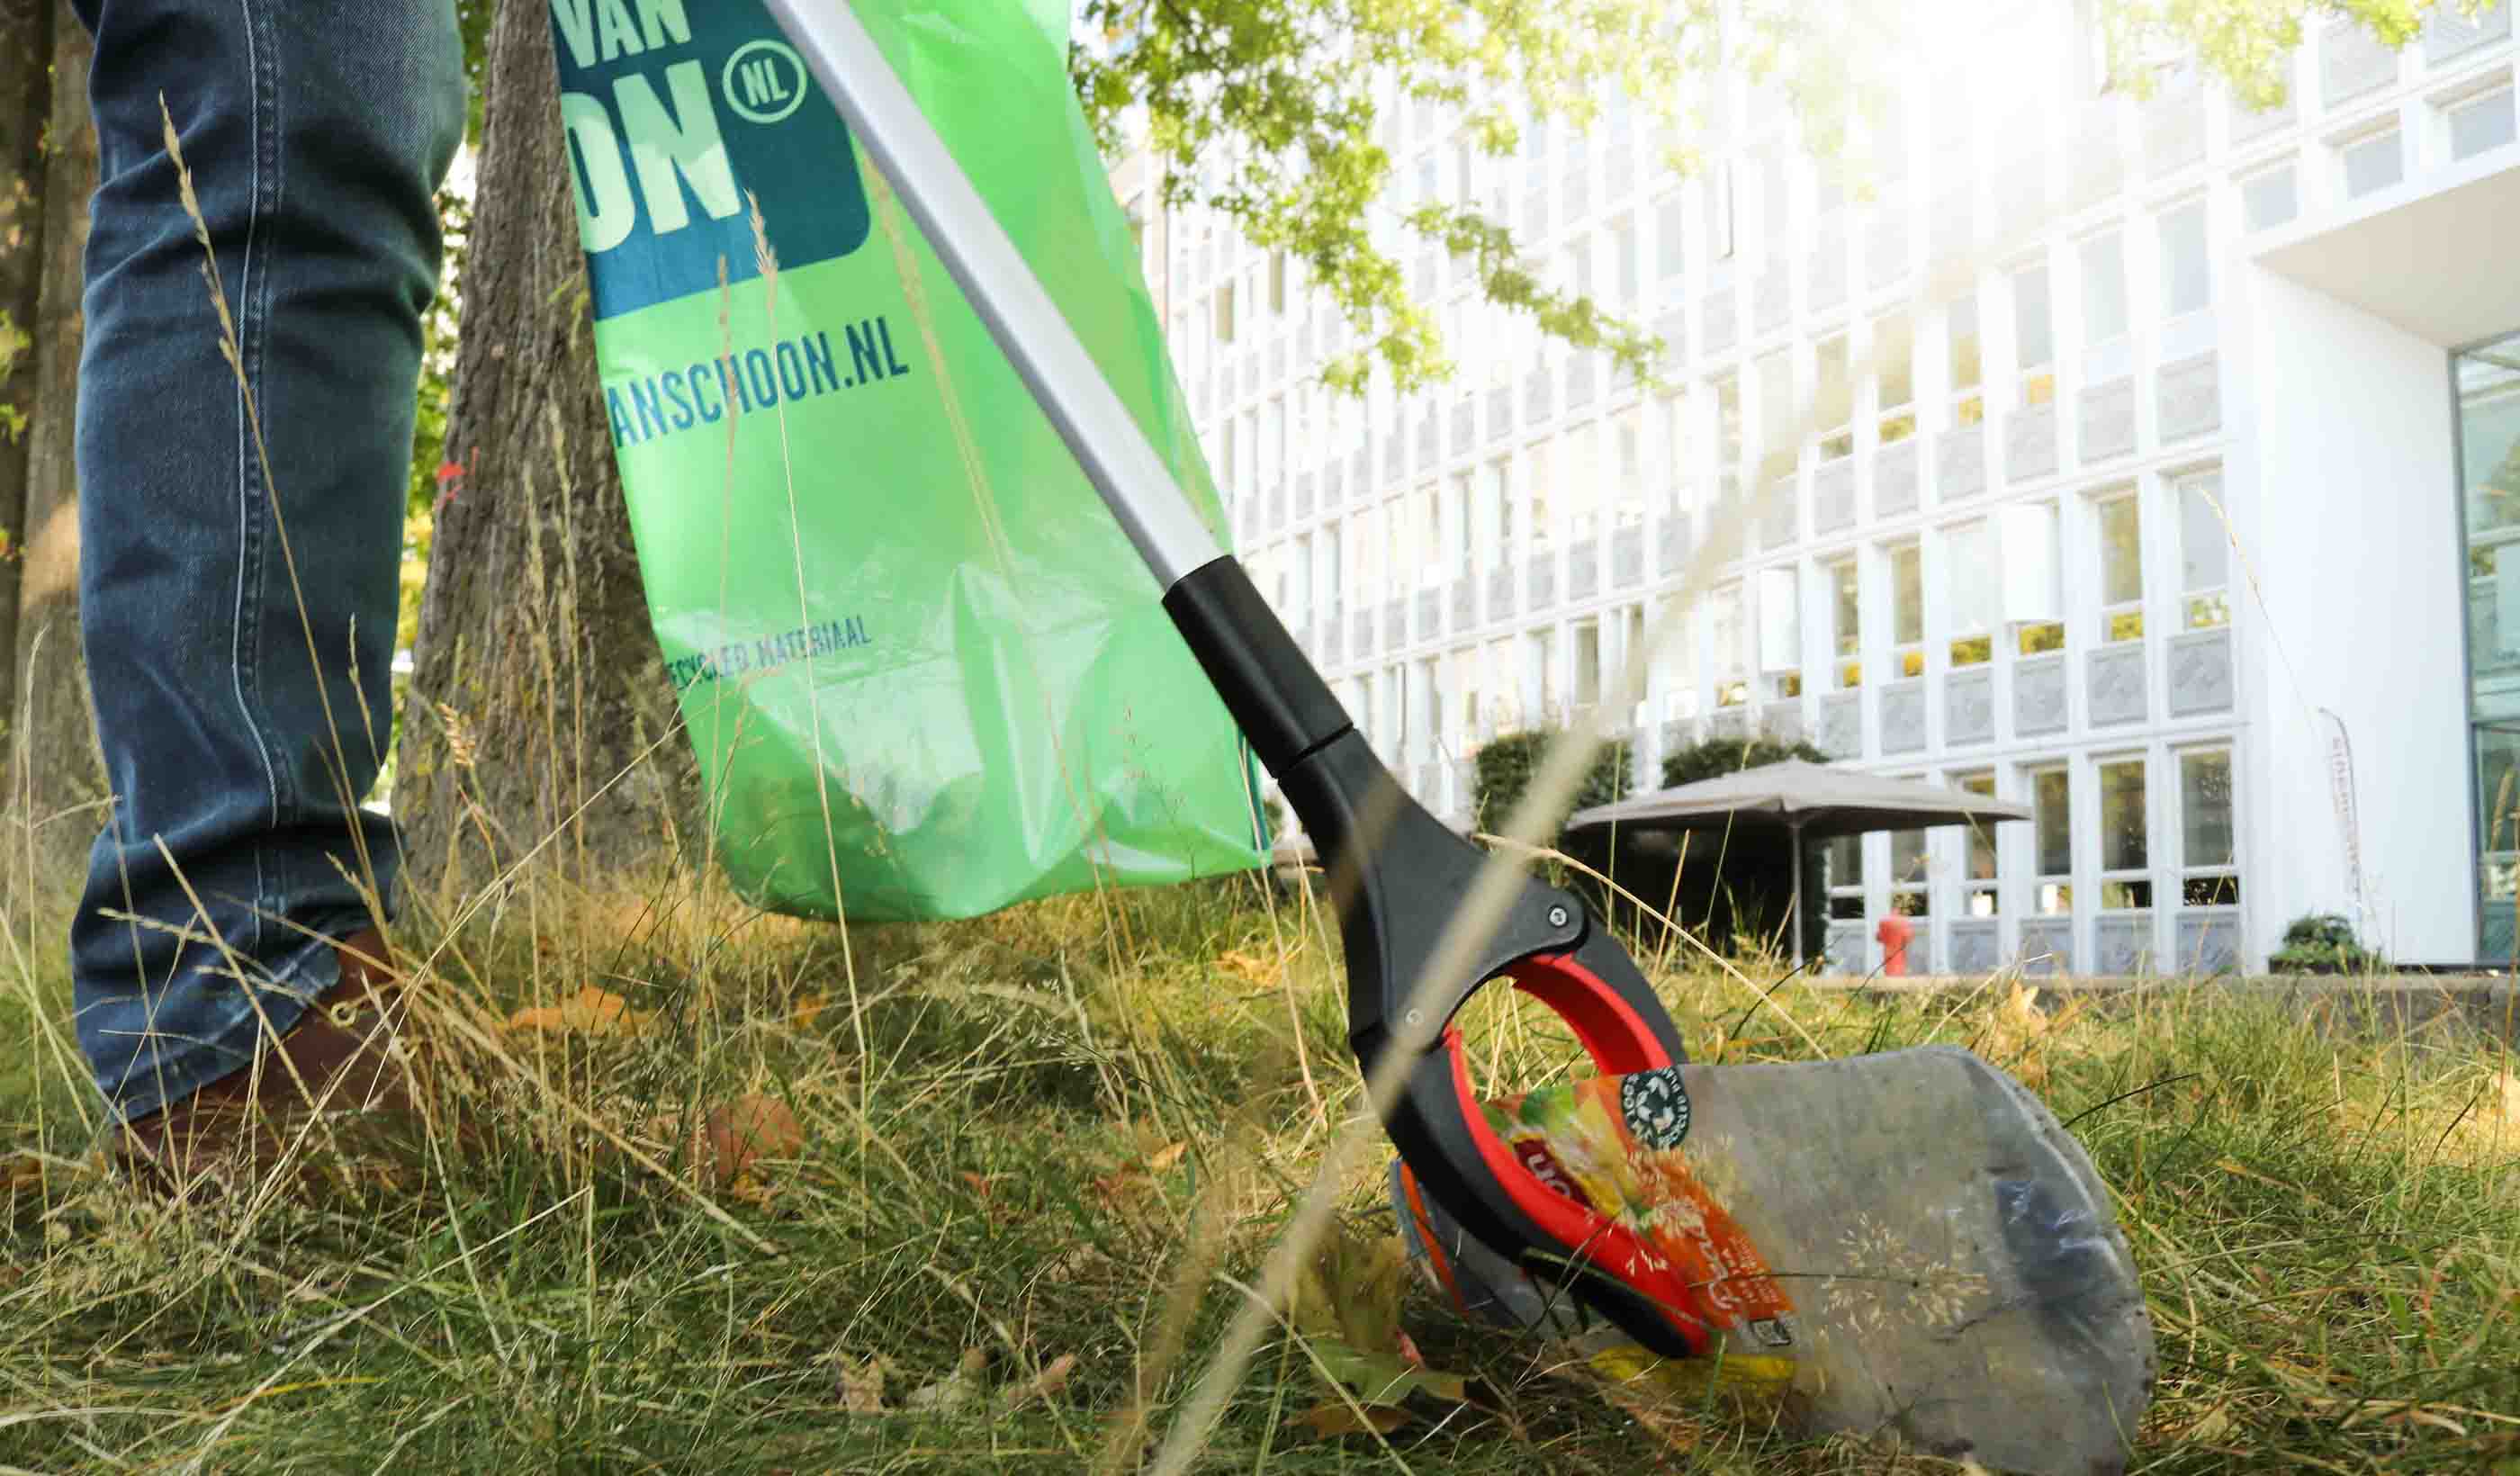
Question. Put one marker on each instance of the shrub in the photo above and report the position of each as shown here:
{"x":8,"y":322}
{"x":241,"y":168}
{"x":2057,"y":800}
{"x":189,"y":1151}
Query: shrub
{"x":1719,"y":756}
{"x":2324,"y":943}
{"x":1505,"y":767}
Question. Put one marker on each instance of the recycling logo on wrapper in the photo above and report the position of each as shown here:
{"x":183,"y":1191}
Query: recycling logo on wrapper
{"x":1656,"y":1107}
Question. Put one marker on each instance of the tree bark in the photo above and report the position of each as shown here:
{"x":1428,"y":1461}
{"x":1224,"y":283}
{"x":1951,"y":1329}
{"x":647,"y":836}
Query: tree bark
{"x":25,"y":101}
{"x":56,"y":777}
{"x":538,"y":705}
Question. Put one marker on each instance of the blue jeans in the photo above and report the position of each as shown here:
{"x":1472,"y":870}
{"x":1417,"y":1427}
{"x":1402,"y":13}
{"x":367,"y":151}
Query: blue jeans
{"x":226,"y":602}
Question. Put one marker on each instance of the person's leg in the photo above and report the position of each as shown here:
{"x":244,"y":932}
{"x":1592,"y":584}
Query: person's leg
{"x":228,"y":589}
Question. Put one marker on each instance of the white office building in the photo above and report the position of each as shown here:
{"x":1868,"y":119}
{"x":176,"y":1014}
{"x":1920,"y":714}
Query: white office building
{"x":2146,"y":459}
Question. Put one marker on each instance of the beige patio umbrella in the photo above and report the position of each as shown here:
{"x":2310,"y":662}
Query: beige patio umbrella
{"x":1809,"y":801}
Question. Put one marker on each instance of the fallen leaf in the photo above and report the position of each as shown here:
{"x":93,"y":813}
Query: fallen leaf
{"x":747,"y":1131}
{"x":1332,"y":1420}
{"x":589,"y":1011}
{"x":861,"y":1387}
{"x":1163,"y":1158}
{"x":1043,"y":1385}
{"x":1242,"y":964}
{"x":955,"y":1390}
{"x":21,"y":1172}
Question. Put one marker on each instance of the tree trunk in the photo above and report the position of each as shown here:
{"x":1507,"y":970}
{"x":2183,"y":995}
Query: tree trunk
{"x":55,"y":773}
{"x":25,"y":99}
{"x":538,"y":705}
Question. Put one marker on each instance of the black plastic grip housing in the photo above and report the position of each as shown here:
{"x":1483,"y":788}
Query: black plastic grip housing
{"x":1282,"y":705}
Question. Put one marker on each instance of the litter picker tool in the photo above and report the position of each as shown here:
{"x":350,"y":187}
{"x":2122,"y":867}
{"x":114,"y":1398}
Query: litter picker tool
{"x":1399,"y":877}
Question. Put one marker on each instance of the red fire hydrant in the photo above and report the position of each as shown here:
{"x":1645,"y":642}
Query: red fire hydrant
{"x":1894,"y":932}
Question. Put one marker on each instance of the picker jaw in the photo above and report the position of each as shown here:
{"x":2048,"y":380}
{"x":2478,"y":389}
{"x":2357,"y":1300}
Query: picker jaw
{"x":1398,"y":878}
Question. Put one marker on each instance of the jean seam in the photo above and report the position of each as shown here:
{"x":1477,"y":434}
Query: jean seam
{"x":252,"y":520}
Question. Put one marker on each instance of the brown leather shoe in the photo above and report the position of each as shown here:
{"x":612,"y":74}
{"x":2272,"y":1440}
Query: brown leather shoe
{"x":344,"y":1062}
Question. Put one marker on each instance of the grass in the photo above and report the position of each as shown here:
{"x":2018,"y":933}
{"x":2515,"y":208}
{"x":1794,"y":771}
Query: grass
{"x":1048,"y":1125}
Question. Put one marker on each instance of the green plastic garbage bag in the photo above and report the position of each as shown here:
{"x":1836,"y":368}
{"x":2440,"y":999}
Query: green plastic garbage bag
{"x":924,"y":673}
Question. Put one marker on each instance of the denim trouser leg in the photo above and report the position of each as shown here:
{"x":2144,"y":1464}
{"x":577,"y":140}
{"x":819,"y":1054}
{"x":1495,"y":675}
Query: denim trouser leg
{"x":237,"y":746}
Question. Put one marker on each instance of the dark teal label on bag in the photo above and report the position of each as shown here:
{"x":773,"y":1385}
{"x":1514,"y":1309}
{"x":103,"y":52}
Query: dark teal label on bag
{"x":678,"y":114}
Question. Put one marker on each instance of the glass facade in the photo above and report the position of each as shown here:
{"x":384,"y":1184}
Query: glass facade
{"x":2488,"y":457}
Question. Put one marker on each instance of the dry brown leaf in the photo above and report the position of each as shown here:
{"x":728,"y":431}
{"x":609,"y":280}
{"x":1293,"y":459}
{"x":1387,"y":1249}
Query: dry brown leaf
{"x":1043,"y":1385}
{"x":1332,"y":1420}
{"x":1243,"y":963}
{"x":1163,"y":1158}
{"x":747,"y":1131}
{"x":589,"y":1011}
{"x":22,"y":1172}
{"x":861,"y":1387}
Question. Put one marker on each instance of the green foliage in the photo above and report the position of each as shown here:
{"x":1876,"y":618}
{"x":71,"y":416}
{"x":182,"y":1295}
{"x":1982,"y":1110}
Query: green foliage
{"x":1505,"y":767}
{"x":1719,"y":756}
{"x":1289,"y":117}
{"x":13,"y":340}
{"x":2324,"y":943}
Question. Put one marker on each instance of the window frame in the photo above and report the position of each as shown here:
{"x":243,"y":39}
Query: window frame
{"x":1980,"y":897}
{"x":1835,"y":442}
{"x":1979,"y":636}
{"x":2119,"y":882}
{"x":2213,"y":602}
{"x":1845,"y":575}
{"x":1968,"y":400}
{"x":1894,"y":423}
{"x":2223,"y":878}
{"x":1907,"y":657}
{"x":2051,"y":893}
{"x":2120,"y":621}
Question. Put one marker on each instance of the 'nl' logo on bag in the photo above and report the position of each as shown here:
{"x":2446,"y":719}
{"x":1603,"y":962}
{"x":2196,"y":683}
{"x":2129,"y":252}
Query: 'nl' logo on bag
{"x":674,"y":113}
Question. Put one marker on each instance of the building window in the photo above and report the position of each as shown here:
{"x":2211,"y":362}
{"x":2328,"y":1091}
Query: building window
{"x":1332,"y":580}
{"x":1628,"y":432}
{"x":1674,"y":666}
{"x":1977,"y":852}
{"x":1538,"y":528}
{"x":1845,"y":855}
{"x":1670,"y":242}
{"x":1777,"y":429}
{"x":1968,"y":398}
{"x":2204,"y":554}
{"x":2207,"y":859}
{"x":1731,"y":648}
{"x":1588,"y":667}
{"x":1728,"y":433}
{"x":1781,"y":630}
{"x":1834,"y":401}
{"x":2106,"y":354}
{"x":2125,"y":860}
{"x":2187,"y":280}
{"x":2476,"y":125}
{"x":1495,"y":516}
{"x":1581,"y":476}
{"x":1273,"y":440}
{"x":2033,"y":575}
{"x":1968,"y":553}
{"x":1278,"y":283}
{"x":1846,"y":624}
{"x":2489,"y":482}
{"x":2051,"y":809}
{"x":1894,"y":356}
{"x":1225,"y":313}
{"x":2371,"y":162}
{"x":2270,"y":197}
{"x":2034,"y":336}
{"x":1623,"y":242}
{"x":1909,"y":874}
{"x":1908,"y":609}
{"x":2121,"y":521}
{"x":1300,"y":600}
